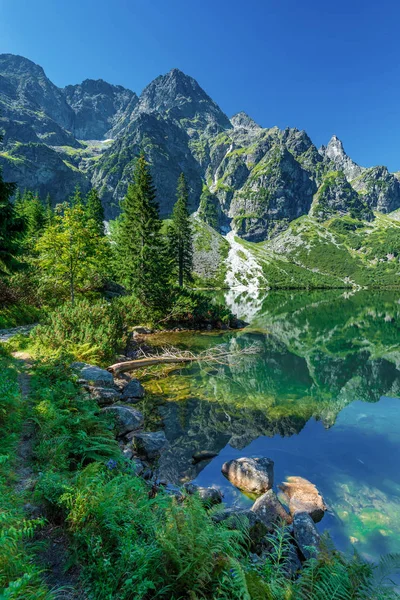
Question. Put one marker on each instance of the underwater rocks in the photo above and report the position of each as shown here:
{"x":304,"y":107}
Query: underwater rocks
{"x":127,"y":419}
{"x":150,"y":444}
{"x":303,"y":497}
{"x":253,"y":475}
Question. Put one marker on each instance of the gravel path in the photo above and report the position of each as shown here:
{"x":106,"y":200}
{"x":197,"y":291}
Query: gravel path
{"x":7,"y":334}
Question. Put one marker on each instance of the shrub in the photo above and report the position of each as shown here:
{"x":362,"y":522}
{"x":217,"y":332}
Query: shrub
{"x":87,"y":330}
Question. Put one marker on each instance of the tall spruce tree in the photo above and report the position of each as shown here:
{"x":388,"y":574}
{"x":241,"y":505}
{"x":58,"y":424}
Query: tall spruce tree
{"x":140,"y":249}
{"x":10,"y":227}
{"x":94,"y":210}
{"x":180,"y":236}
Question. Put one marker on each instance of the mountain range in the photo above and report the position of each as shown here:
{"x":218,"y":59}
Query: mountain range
{"x":247,"y":183}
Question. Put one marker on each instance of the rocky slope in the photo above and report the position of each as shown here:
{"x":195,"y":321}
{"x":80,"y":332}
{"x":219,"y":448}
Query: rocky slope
{"x":245,"y":179}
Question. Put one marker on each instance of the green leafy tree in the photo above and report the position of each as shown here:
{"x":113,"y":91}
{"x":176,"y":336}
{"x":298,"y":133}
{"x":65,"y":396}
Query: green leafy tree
{"x":95,"y":210}
{"x":140,"y":249}
{"x":10,"y":228}
{"x":72,"y":256}
{"x":180,"y":236}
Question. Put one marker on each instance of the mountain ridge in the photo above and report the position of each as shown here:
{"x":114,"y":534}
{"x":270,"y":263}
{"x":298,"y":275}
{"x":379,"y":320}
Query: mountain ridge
{"x":257,"y":180}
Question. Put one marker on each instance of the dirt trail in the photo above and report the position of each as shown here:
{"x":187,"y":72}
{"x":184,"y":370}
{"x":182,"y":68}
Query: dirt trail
{"x":54,"y":555}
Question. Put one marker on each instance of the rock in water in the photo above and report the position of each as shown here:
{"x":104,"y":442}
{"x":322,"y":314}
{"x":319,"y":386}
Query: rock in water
{"x":134,"y":389}
{"x":270,"y":510}
{"x":303,"y":497}
{"x":150,"y":444}
{"x":203,"y":455}
{"x":306,"y":535}
{"x":126,"y":418}
{"x":254,"y":475}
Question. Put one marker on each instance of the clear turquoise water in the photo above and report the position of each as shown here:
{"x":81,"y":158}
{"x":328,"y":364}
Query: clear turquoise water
{"x":321,"y":397}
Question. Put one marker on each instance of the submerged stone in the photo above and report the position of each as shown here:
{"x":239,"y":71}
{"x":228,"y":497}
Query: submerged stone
{"x":303,"y":496}
{"x":127,"y":419}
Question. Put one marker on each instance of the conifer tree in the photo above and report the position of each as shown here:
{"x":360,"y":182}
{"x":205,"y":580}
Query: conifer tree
{"x":95,"y":210}
{"x":31,"y":210}
{"x":140,"y":250}
{"x":76,"y":198}
{"x":180,"y":236}
{"x":10,"y":227}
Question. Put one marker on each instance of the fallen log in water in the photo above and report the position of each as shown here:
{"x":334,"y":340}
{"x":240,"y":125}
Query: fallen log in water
{"x":171,"y":355}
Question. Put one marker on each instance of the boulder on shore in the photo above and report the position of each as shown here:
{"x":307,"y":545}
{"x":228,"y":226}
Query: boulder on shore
{"x":306,"y":535}
{"x":236,"y":517}
{"x":92,"y":375}
{"x":150,"y":444}
{"x":126,"y":418}
{"x":303,"y":497}
{"x":271,"y":512}
{"x":104,"y":395}
{"x":254,"y":475}
{"x":134,"y":389}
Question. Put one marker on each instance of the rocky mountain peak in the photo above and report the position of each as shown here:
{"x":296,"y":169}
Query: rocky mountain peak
{"x":336,"y":153}
{"x":242,"y":120}
{"x":180,"y":97}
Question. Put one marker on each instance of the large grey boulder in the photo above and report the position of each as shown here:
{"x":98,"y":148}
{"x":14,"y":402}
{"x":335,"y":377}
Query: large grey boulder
{"x":134,"y":390}
{"x":92,"y":375}
{"x":303,"y":497}
{"x":271,"y":512}
{"x":306,"y":535}
{"x":126,"y":418}
{"x":254,"y":475}
{"x":150,"y":444}
{"x":105,"y":395}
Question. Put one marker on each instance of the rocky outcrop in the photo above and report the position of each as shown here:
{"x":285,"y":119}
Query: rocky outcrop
{"x":336,"y":197}
{"x":253,"y":475}
{"x":235,"y":518}
{"x":336,"y":155}
{"x":303,"y":497}
{"x":379,"y":189}
{"x":133,"y":391}
{"x":97,"y":107}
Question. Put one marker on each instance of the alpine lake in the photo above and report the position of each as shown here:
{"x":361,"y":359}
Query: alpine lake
{"x":319,"y":394}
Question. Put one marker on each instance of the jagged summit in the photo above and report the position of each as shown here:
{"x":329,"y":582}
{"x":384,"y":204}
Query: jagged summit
{"x":248,"y":179}
{"x":242,"y":120}
{"x":335,"y":152}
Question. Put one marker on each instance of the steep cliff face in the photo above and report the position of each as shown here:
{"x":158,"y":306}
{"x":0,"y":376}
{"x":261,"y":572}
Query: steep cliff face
{"x":242,"y":177}
{"x":97,"y":107}
{"x":379,"y":189}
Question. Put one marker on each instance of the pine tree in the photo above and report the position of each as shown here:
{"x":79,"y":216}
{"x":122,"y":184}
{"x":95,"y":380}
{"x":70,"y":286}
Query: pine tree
{"x":180,"y":236}
{"x":140,"y":251}
{"x":10,"y":227}
{"x":95,"y":210}
{"x":76,"y":198}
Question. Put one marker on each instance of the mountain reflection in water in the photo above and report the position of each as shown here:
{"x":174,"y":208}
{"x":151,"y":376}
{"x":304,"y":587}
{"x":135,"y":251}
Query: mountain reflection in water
{"x":320,"y":397}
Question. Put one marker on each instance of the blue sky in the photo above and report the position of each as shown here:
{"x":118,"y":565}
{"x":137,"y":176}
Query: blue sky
{"x":326,"y":67}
